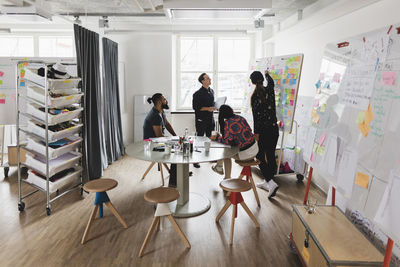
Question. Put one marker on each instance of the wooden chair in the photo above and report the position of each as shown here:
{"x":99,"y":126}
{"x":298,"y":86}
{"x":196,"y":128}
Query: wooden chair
{"x":160,"y":167}
{"x":100,"y":186}
{"x":162,"y":196}
{"x":235,"y":187}
{"x":246,"y":171}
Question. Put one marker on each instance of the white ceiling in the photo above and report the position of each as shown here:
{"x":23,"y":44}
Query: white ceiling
{"x":125,"y":14}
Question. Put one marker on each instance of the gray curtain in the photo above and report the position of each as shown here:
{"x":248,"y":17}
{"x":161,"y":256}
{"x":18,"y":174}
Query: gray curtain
{"x":112,"y":112}
{"x":88,"y":61}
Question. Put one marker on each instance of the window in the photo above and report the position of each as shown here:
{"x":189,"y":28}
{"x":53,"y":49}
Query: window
{"x":16,"y":46}
{"x":60,"y":46}
{"x":224,"y":59}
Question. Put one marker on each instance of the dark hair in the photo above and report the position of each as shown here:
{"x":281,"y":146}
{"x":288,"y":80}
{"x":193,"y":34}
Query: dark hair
{"x":258,"y":80}
{"x":225,"y":112}
{"x":201,"y":77}
{"x":156,"y":97}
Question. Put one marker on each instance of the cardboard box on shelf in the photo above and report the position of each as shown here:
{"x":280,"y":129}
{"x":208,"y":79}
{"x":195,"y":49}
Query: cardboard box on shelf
{"x":13,"y":155}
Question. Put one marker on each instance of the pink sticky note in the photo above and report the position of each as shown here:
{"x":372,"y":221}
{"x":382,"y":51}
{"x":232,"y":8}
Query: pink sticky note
{"x":2,"y":100}
{"x":388,"y":78}
{"x":1,"y":74}
{"x":316,"y":102}
{"x":336,"y":77}
{"x":291,"y":102}
{"x":321,"y":139}
{"x":312,"y":157}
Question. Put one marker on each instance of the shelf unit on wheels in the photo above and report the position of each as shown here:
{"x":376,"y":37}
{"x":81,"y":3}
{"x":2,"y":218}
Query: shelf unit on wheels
{"x":52,"y":127}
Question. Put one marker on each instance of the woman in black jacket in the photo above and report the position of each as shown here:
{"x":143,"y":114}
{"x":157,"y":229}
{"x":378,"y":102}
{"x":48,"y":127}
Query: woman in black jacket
{"x":265,"y":128}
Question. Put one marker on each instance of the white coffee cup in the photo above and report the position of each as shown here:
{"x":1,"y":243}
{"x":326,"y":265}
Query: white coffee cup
{"x":207,"y":145}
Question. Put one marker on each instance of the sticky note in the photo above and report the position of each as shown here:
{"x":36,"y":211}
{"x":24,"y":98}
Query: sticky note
{"x":282,"y":111}
{"x":287,"y":81}
{"x":1,"y":82}
{"x":336,"y":77}
{"x":67,"y":81}
{"x":278,"y":82}
{"x":69,"y":97}
{"x":298,"y":58}
{"x":318,"y":84}
{"x":25,"y":63}
{"x":322,"y":109}
{"x":369,"y":115}
{"x":289,"y":112}
{"x":320,"y":150}
{"x":360,"y":117}
{"x":321,"y":139}
{"x":291,"y":102}
{"x":316,"y":102}
{"x":22,"y":84}
{"x":364,"y":128}
{"x":2,"y":100}
{"x":312,"y":157}
{"x":388,"y":78}
{"x":1,"y":74}
{"x":315,"y":147}
{"x":22,"y":75}
{"x":2,"y":95}
{"x":362,"y":180}
{"x":327,"y":85}
{"x":285,"y":112}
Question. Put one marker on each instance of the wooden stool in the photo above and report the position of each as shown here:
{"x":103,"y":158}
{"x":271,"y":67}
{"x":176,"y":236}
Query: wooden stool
{"x":246,"y":171}
{"x":162,"y":196}
{"x":100,"y":186}
{"x":234,"y":187}
{"x":160,"y":167}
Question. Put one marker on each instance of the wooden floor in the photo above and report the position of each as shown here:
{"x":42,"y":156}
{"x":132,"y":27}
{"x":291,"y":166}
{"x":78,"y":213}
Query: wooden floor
{"x":32,"y":238}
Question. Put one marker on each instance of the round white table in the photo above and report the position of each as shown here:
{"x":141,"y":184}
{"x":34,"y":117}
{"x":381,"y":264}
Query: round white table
{"x":189,"y":203}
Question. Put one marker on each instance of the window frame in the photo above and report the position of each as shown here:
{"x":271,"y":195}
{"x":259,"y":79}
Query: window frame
{"x":215,"y":71}
{"x":36,"y":37}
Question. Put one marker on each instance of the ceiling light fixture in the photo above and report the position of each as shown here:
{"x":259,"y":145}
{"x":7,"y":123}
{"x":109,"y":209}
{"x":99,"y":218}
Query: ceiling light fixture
{"x":77,"y":20}
{"x":259,"y":23}
{"x":103,"y":22}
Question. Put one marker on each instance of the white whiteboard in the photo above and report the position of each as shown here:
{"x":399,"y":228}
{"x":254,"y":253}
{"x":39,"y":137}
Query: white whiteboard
{"x":358,"y":105}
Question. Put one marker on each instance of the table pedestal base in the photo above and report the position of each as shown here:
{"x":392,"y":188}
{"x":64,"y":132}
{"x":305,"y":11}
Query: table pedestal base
{"x":196,"y":205}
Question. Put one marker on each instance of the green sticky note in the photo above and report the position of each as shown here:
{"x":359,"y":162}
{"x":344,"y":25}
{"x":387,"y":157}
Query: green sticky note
{"x":297,"y":150}
{"x":1,"y":82}
{"x":315,"y":147}
{"x":361,"y":117}
{"x":323,"y":108}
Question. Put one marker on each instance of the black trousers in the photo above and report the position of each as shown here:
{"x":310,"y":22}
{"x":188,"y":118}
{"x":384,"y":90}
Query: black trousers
{"x":266,"y":152}
{"x":204,"y":127}
{"x":172,"y":175}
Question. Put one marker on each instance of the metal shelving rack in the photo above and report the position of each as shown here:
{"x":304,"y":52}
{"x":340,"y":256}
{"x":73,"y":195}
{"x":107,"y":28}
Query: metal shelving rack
{"x":46,"y":190}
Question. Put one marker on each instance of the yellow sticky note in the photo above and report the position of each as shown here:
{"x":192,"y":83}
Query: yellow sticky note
{"x":306,"y":255}
{"x":369,"y":115}
{"x":362,"y":179}
{"x":67,"y":81}
{"x":364,"y":128}
{"x":315,"y":147}
{"x":69,"y":97}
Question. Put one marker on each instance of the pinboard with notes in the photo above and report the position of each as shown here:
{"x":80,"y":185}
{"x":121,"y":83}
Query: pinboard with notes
{"x":286,"y":72}
{"x":353,"y":140}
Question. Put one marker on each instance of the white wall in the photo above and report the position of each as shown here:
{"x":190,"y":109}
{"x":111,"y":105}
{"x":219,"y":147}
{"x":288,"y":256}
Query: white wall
{"x":147,"y":59}
{"x":312,"y":34}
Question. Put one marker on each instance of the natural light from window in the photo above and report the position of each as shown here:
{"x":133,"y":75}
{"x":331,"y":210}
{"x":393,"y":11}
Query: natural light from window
{"x":224,"y":59}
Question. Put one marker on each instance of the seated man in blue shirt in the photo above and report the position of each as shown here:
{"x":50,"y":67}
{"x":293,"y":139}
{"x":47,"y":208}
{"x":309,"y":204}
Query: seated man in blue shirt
{"x":155,"y":124}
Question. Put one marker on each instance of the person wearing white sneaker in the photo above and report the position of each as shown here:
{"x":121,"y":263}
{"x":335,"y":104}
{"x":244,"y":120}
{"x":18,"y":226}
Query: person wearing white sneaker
{"x":235,"y":131}
{"x":265,"y":128}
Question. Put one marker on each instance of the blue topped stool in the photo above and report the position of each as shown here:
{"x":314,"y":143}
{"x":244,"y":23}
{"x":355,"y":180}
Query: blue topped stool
{"x":100,"y":186}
